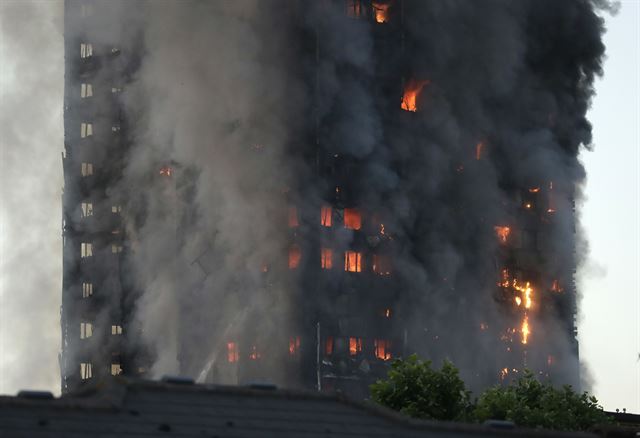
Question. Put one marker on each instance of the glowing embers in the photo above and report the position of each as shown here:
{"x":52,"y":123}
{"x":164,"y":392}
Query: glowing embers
{"x":352,"y":219}
{"x":526,"y":291}
{"x":326,"y":258}
{"x":293,"y":217}
{"x":381,"y":264}
{"x":479,"y":150}
{"x":166,"y":171}
{"x":381,"y":11}
{"x":502,"y":232}
{"x":412,"y":90}
{"x":294,"y":345}
{"x":295,"y":254}
{"x":254,"y":354}
{"x":328,"y":346}
{"x":355,"y":346}
{"x":232,"y":352}
{"x":326,"y":216}
{"x":382,"y":349}
{"x":352,"y":261}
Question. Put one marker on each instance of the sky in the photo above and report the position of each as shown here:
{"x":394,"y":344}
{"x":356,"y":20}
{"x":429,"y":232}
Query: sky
{"x":31,"y":142}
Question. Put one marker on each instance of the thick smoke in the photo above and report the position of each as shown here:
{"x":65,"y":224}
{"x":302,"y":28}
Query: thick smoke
{"x":259,"y":107}
{"x":31,"y":75}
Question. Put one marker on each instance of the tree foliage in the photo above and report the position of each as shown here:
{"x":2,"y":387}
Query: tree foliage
{"x":415,"y":389}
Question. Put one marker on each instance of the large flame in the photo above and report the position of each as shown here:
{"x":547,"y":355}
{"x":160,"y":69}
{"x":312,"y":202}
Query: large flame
{"x":525,"y":329}
{"x":411,"y":92}
{"x":503,"y":233}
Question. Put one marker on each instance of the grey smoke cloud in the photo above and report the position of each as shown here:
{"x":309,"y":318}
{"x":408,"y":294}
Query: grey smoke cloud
{"x":31,"y":75}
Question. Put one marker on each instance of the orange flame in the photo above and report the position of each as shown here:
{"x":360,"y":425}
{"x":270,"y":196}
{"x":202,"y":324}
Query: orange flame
{"x":382,"y":347}
{"x":534,"y":190}
{"x":555,"y":286}
{"x":411,"y":92}
{"x":381,"y":11}
{"x":352,"y":219}
{"x":294,"y":345}
{"x":355,"y":346}
{"x":326,"y":258}
{"x":525,"y":330}
{"x":503,"y":233}
{"x":166,"y":171}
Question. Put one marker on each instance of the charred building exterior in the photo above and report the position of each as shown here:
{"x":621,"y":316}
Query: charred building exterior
{"x":301,"y":191}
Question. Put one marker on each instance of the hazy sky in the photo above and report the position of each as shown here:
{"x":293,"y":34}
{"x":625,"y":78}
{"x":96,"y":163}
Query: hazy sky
{"x":31,"y":87}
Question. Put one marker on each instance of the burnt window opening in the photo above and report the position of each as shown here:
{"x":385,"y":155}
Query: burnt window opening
{"x":86,"y":330}
{"x":86,"y":249}
{"x":326,"y":258}
{"x":86,"y":209}
{"x":116,"y":90}
{"x":115,"y":128}
{"x":116,"y":329}
{"x":86,"y":169}
{"x":352,"y":219}
{"x":86,"y":370}
{"x":382,"y":349}
{"x":87,"y":289}
{"x":354,"y":8}
{"x":328,"y":346}
{"x":86,"y":130}
{"x":326,"y":216}
{"x":294,"y":345}
{"x":116,"y":249}
{"x":293,"y":217}
{"x":116,"y":209}
{"x":294,"y":256}
{"x":353,"y":261}
{"x":381,"y":264}
{"x":116,"y":369}
{"x":232,"y":352}
{"x":86,"y":90}
{"x":355,"y":346}
{"x":86,"y":50}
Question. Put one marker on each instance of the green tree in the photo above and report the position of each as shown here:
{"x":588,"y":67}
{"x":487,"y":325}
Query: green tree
{"x":415,"y":389}
{"x":530,"y":403}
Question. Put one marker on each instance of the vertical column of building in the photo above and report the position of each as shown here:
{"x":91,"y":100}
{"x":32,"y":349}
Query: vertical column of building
{"x":91,"y":313}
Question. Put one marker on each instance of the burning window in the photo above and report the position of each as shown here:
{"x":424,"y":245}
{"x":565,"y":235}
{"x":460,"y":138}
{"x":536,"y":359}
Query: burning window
{"x":86,"y":209}
{"x":166,"y":171}
{"x":86,"y":330}
{"x":556,"y":287}
{"x":381,"y":11}
{"x":232,"y":352}
{"x":116,"y":369}
{"x":381,"y":264}
{"x":87,"y":290}
{"x":86,"y":50}
{"x":353,"y":261}
{"x":86,"y":90}
{"x":293,"y":217}
{"x":86,"y":169}
{"x":328,"y":346}
{"x":254,"y":354}
{"x":355,"y":8}
{"x":326,"y":258}
{"x":294,"y":345}
{"x":502,"y":232}
{"x":355,"y":346}
{"x":326,"y":216}
{"x":412,"y":90}
{"x":116,"y":249}
{"x":86,"y":370}
{"x":86,"y":130}
{"x":352,"y":219}
{"x":116,"y":330}
{"x":382,"y":348}
{"x":86,"y":249}
{"x":294,"y":256}
{"x":525,"y":330}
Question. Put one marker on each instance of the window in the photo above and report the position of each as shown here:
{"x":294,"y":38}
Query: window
{"x":116,"y":369}
{"x":86,"y":330}
{"x":354,"y":8}
{"x":86,"y":249}
{"x":355,"y":346}
{"x":254,"y":354}
{"x":86,"y":130}
{"x":86,"y":50}
{"x":294,"y":345}
{"x":381,"y":264}
{"x":232,"y":352}
{"x":326,"y":216}
{"x":87,"y":290}
{"x":116,"y":90}
{"x":116,"y":209}
{"x":293,"y":217}
{"x":116,"y":249}
{"x":294,"y":256}
{"x":86,"y":209}
{"x":382,"y":349}
{"x":115,"y":128}
{"x":86,"y":90}
{"x":116,"y":329}
{"x":86,"y":370}
{"x":353,"y":261}
{"x":326,"y":258}
{"x":352,"y":219}
{"x":87,"y":169}
{"x":328,"y":345}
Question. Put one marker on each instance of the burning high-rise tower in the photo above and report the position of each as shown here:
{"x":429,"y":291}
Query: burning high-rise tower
{"x":301,"y":191}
